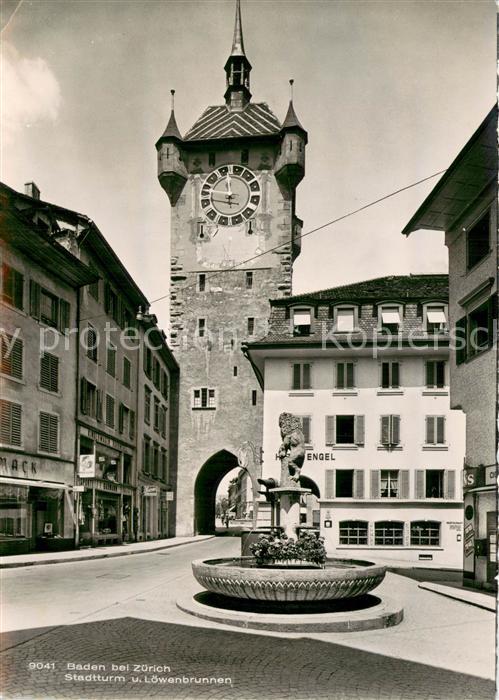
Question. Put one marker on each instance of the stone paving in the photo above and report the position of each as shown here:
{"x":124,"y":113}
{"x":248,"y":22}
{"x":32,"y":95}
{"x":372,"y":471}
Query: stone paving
{"x":244,"y":667}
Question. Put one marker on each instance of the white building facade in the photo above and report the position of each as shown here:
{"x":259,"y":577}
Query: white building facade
{"x":366,"y":368}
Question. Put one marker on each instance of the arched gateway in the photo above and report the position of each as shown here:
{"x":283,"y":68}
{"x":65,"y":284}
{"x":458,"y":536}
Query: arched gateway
{"x":208,"y":480}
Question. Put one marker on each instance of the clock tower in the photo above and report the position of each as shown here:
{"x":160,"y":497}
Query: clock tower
{"x":231,"y":182}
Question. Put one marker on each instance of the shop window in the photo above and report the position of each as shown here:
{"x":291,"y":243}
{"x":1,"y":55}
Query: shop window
{"x":12,"y":287}
{"x":49,"y":372}
{"x":111,"y":360}
{"x":107,"y":515}
{"x":389,"y":533}
{"x":389,"y":483}
{"x":435,"y":430}
{"x":11,"y":355}
{"x":301,"y":376}
{"x":344,"y":483}
{"x":353,"y":532}
{"x":203,"y":398}
{"x":344,"y":319}
{"x":110,"y":418}
{"x":48,"y":439}
{"x":390,"y":431}
{"x":302,"y":320}
{"x":425,"y":533}
{"x":249,"y":280}
{"x":435,"y":374}
{"x":15,"y":512}
{"x":127,"y":371}
{"x":478,"y":241}
{"x":10,"y":423}
{"x":390,"y":375}
{"x":345,"y":375}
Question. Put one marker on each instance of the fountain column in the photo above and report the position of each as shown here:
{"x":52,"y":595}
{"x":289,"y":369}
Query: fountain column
{"x":288,"y":498}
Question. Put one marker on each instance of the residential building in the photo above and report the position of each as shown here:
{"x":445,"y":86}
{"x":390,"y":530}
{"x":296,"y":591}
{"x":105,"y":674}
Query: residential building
{"x":365,"y":367}
{"x":40,"y":282}
{"x":241,"y":504}
{"x":464,"y":205}
{"x":231,"y":181}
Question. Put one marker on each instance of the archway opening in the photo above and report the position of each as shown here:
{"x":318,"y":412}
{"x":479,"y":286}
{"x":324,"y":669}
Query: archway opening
{"x":205,"y":489}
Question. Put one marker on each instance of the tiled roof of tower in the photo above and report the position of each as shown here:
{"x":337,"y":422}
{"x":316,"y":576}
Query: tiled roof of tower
{"x":379,"y":288}
{"x":218,"y":122}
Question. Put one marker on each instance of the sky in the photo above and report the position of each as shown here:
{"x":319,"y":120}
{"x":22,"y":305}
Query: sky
{"x":389,"y":92}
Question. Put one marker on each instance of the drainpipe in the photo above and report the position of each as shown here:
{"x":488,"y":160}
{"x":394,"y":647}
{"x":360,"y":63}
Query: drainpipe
{"x":77,"y":403}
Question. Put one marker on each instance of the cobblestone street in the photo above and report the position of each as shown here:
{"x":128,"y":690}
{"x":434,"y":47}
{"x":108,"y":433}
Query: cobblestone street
{"x":141,"y":645}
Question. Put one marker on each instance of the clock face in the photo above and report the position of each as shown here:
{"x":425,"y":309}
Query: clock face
{"x":230,"y":195}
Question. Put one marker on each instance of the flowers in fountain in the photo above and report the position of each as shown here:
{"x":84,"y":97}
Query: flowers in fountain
{"x":281,"y":549}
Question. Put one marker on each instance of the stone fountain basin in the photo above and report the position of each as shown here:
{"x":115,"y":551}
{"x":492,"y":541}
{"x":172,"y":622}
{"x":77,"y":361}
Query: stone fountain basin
{"x":241,"y":578}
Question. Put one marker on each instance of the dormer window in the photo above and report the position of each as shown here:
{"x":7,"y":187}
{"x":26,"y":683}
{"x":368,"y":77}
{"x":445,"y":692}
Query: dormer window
{"x":390,"y":318}
{"x":435,"y":318}
{"x":345,"y":320}
{"x":301,"y":322}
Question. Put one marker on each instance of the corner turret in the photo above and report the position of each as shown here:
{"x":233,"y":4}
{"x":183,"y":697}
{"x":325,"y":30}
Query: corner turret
{"x":172,"y":173}
{"x":290,"y":166}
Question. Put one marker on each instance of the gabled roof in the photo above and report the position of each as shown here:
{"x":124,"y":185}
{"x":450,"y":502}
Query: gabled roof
{"x":472,"y":170}
{"x":401,"y":287}
{"x":218,"y":122}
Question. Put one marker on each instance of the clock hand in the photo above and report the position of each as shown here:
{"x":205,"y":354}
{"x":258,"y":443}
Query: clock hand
{"x":229,"y":190}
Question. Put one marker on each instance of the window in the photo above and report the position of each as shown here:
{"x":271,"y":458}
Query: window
{"x":91,"y":343}
{"x":434,"y":483}
{"x":46,"y":307}
{"x":164,"y":385}
{"x":156,"y":414}
{"x":436,"y":320}
{"x":390,"y":318}
{"x":389,"y":483}
{"x":344,"y":320}
{"x":111,"y":303}
{"x":253,"y":397}
{"x":211,"y":158}
{"x":124,"y":419}
{"x":93,"y":289}
{"x":425,"y":533}
{"x":127,"y":371}
{"x":164,"y":464}
{"x":11,"y":356}
{"x":156,"y":373}
{"x":306,"y":426}
{"x":155,"y":459}
{"x":249,"y":280}
{"x":10,"y":423}
{"x":344,"y":483}
{"x":435,"y":430}
{"x":109,"y":411}
{"x":345,"y":377}
{"x":477,"y":240}
{"x":475,"y":331}
{"x":301,"y":322}
{"x":201,"y":327}
{"x":146,"y":454}
{"x":389,"y":533}
{"x":251,"y":325}
{"x":234,"y":371}
{"x":478,"y":321}
{"x":131,"y":432}
{"x":203,"y":398}
{"x":163,"y":415}
{"x":435,"y":374}
{"x":147,"y":404}
{"x":90,"y":400}
{"x":202,"y":282}
{"x":147,"y":361}
{"x":244,"y":156}
{"x":12,"y":287}
{"x":49,"y":308}
{"x":390,"y":375}
{"x":111,"y":360}
{"x":49,"y":372}
{"x":301,"y":376}
{"x":390,"y":431}
{"x":345,"y":430}
{"x":48,"y":439}
{"x":353,"y":532}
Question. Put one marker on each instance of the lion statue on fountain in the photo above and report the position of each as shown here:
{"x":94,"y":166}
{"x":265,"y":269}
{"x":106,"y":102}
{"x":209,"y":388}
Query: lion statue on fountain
{"x":292,"y":450}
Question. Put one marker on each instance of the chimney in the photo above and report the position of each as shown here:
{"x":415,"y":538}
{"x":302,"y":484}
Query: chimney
{"x":31,"y":190}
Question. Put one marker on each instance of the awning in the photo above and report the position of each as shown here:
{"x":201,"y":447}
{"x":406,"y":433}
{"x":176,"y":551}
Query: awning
{"x":436,"y":316}
{"x":34,"y":482}
{"x":390,"y":316}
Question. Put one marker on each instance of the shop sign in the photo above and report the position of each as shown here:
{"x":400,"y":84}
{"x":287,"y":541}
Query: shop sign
{"x":469,"y":540}
{"x":86,"y":466}
{"x":150,"y":490}
{"x":12,"y":466}
{"x":470,"y":477}
{"x":42,"y":468}
{"x":169,"y":495}
{"x":102,"y":439}
{"x":78,"y":489}
{"x":490,"y":476}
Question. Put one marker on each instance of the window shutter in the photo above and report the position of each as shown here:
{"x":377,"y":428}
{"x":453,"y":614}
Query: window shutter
{"x":49,"y":429}
{"x":440,"y":430}
{"x":374,"y":483}
{"x":340,"y":375}
{"x":430,"y":430}
{"x":306,"y":421}
{"x":420,"y":493}
{"x":358,"y":483}
{"x":306,"y":376}
{"x":98,"y":406}
{"x":330,"y":430}
{"x":350,"y":376}
{"x":395,"y":436}
{"x":395,"y":375}
{"x":64,"y":316}
{"x":329,"y":483}
{"x":296,"y":376}
{"x":11,"y":355}
{"x":461,"y":339}
{"x":121,"y":415}
{"x":18,"y":289}
{"x":132,"y":424}
{"x":450,"y":485}
{"x":49,"y":372}
{"x":385,"y":430}
{"x":359,"y":430}
{"x":404,"y":483}
{"x":440,"y":374}
{"x":107,"y":300}
{"x":430,"y":373}
{"x":34,"y":299}
{"x":385,"y":375}
{"x":83,"y":396}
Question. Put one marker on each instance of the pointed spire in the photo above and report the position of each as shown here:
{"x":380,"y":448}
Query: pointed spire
{"x":238,"y":41}
{"x":171,"y":130}
{"x":291,"y":121}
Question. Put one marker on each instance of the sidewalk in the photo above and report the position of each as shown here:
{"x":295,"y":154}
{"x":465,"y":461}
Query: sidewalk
{"x":465,"y":595}
{"x":119,"y":550}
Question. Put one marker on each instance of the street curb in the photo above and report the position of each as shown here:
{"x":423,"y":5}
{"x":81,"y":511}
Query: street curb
{"x":456,"y":594}
{"x":103,"y":555}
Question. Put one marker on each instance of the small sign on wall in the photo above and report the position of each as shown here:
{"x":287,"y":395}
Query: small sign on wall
{"x":328,"y":523}
{"x":86,"y":466}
